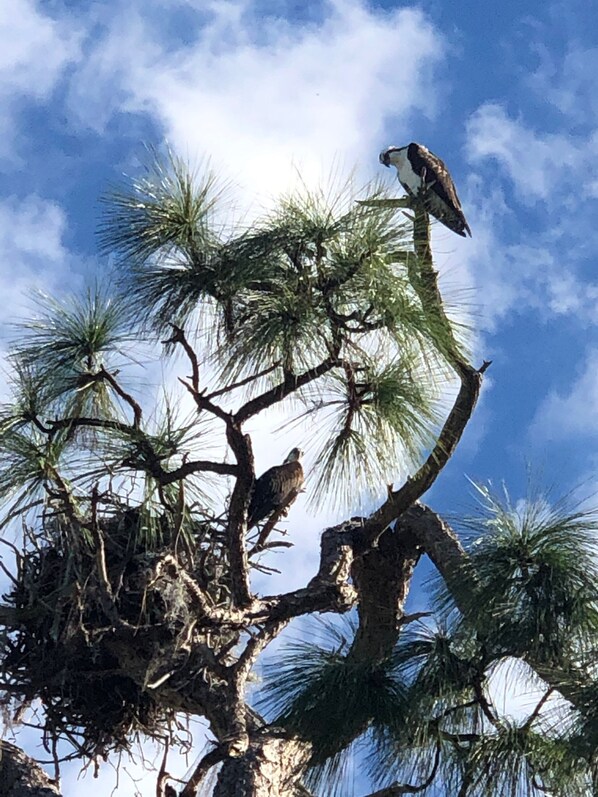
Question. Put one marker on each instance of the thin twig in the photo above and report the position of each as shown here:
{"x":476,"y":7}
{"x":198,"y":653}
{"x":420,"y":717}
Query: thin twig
{"x":137,"y":412}
{"x":243,"y":382}
{"x":260,"y":544}
{"x":540,"y":705}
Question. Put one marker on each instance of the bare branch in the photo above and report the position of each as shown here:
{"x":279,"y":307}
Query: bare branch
{"x":540,"y":705}
{"x":196,"y":466}
{"x":137,"y":413}
{"x":400,"y":500}
{"x":208,"y":761}
{"x":284,"y":389}
{"x":254,"y":647}
{"x":204,"y":403}
{"x":405,"y":788}
{"x":243,"y":382}
{"x":329,"y":590}
{"x":180,"y":337}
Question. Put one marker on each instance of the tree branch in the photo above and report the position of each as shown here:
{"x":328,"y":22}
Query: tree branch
{"x":539,"y":706}
{"x":137,"y":413}
{"x":208,"y":761}
{"x":243,"y":382}
{"x":382,"y":577}
{"x":285,"y":388}
{"x":197,"y":466}
{"x":329,"y":590}
{"x":180,"y":337}
{"x":400,"y":500}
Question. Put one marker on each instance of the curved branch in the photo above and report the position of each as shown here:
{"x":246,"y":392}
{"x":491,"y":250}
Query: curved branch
{"x":398,"y":789}
{"x":285,"y":388}
{"x":400,"y":500}
{"x":208,"y":761}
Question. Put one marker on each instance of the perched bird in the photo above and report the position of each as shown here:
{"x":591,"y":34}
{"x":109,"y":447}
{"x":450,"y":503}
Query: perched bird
{"x":422,"y":174}
{"x":276,"y":487}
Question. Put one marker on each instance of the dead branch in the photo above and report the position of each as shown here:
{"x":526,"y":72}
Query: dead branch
{"x":208,"y":761}
{"x":137,"y":412}
{"x":285,"y":388}
{"x":180,"y":337}
{"x":243,"y":382}
{"x":400,"y":500}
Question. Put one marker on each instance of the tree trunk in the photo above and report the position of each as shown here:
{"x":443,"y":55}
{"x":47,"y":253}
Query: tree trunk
{"x":271,"y":767}
{"x":21,"y":776}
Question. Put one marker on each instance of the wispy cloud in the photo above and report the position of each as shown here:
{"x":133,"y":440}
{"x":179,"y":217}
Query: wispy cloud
{"x":567,"y":81}
{"x":32,"y":252}
{"x":268,"y":98}
{"x":534,"y":202}
{"x":541,"y":165}
{"x":34,"y":51}
{"x":573,"y":412}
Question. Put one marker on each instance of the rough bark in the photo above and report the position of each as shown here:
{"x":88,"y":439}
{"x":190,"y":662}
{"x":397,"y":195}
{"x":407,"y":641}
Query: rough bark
{"x":271,"y":767}
{"x":382,"y":578}
{"x":21,"y":776}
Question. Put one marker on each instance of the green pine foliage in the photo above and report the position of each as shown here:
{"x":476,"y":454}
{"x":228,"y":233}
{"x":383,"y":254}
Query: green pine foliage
{"x":532,"y":601}
{"x":319,"y":279}
{"x":321,"y":300}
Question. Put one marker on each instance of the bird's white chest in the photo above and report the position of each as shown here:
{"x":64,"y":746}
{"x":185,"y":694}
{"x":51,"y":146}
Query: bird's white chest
{"x":407,"y":176}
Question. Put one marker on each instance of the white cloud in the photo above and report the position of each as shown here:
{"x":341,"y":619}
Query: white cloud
{"x":571,"y":413}
{"x":32,"y":253}
{"x":263,"y":96}
{"x":528,"y":259}
{"x":568,"y":81}
{"x":541,"y":165}
{"x":34,"y":50}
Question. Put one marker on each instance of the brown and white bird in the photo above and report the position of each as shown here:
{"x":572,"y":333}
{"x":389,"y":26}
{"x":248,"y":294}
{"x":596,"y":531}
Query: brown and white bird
{"x":422,"y":174}
{"x":276,"y":488}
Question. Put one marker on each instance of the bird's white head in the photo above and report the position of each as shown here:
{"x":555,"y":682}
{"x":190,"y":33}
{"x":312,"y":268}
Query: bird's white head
{"x":394,"y":156}
{"x":294,"y":455}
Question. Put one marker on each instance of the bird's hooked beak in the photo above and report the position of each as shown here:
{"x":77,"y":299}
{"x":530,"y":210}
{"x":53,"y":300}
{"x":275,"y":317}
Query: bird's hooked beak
{"x":384,"y":157}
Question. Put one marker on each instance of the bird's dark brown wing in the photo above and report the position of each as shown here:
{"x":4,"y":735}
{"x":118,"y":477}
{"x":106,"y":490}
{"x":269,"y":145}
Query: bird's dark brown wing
{"x":441,"y":183}
{"x":272,"y":489}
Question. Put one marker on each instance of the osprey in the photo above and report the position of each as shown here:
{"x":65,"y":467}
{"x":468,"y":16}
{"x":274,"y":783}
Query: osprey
{"x":277,"y":487}
{"x":422,"y":174}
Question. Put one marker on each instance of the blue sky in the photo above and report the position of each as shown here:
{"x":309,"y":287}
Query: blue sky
{"x":504,"y":92}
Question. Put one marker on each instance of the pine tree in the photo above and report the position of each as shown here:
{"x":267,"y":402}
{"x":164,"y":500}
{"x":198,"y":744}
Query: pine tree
{"x":132,"y":603}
